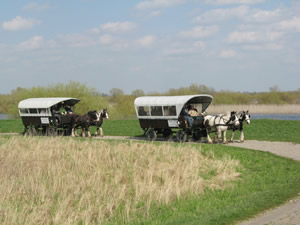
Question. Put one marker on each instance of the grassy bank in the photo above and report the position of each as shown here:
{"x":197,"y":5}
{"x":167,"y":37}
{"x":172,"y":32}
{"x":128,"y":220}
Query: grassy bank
{"x":264,"y":130}
{"x":86,"y":181}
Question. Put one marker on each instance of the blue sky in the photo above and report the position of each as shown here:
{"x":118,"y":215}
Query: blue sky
{"x":154,"y":45}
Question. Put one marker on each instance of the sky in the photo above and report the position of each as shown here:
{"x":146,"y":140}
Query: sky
{"x":153,"y":45}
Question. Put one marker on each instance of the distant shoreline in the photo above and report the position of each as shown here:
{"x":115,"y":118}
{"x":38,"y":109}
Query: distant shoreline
{"x":256,"y":108}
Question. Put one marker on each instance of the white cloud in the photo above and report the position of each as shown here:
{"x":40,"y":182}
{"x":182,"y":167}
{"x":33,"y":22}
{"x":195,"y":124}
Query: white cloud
{"x":33,"y":43}
{"x":292,"y":24}
{"x":227,"y":2}
{"x":227,"y":54}
{"x":94,"y":30}
{"x":33,"y":6}
{"x":155,"y":13}
{"x":20,"y":23}
{"x":78,"y":40}
{"x":146,"y":40}
{"x":200,"y":32}
{"x":265,"y":15}
{"x":106,"y":39}
{"x":118,"y":26}
{"x":253,"y":36}
{"x":159,"y":3}
{"x":179,"y":51}
{"x":271,"y":46}
{"x":222,"y":14}
{"x":199,"y":44}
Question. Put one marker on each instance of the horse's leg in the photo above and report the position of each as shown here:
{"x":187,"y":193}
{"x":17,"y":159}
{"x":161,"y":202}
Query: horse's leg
{"x":101,"y":132}
{"x":218,"y":135}
{"x":209,"y":141}
{"x":82,"y":131}
{"x":224,"y":137}
{"x":232,"y":136}
{"x":242,"y":138}
{"x":76,"y":134}
{"x":96,"y":132}
{"x":73,"y":132}
{"x":89,"y":133}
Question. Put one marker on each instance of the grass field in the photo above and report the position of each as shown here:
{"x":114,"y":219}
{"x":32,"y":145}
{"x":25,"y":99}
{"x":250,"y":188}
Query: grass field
{"x":66,"y":180}
{"x":266,"y":129}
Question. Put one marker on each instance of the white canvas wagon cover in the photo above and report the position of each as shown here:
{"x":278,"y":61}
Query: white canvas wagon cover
{"x":45,"y":102}
{"x":178,"y":101}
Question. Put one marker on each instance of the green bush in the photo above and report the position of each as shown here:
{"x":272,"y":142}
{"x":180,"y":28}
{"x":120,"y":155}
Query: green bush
{"x":90,"y":99}
{"x":120,"y":106}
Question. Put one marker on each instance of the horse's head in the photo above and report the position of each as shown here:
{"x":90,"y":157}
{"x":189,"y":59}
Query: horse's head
{"x":104,"y":114}
{"x":234,"y":119}
{"x":246,"y":117}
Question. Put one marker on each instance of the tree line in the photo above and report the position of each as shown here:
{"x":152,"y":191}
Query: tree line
{"x":120,"y":105}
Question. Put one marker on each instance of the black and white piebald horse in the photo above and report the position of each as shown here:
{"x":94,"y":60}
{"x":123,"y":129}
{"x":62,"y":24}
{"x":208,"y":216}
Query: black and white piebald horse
{"x":83,"y":121}
{"x":100,"y":116}
{"x":219,"y":124}
{"x":243,"y":116}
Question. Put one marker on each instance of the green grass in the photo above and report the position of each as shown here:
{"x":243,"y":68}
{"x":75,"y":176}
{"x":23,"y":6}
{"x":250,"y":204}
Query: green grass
{"x":266,"y":181}
{"x":273,"y":130}
{"x":11,"y":126}
{"x":264,"y":130}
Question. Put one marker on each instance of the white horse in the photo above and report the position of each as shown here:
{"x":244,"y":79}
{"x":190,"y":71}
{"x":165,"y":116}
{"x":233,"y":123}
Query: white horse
{"x":243,"y":116}
{"x":220,"y":124}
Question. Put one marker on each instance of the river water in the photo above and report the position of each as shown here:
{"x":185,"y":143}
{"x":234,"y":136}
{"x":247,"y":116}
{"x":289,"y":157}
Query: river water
{"x":4,"y":116}
{"x":253,"y":116}
{"x":276,"y":116}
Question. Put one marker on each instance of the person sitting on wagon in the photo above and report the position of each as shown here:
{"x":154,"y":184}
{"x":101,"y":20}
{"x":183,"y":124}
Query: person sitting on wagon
{"x":68,"y":109}
{"x":187,"y":116}
{"x":193,"y":112}
{"x":62,"y":109}
{"x":198,"y":117}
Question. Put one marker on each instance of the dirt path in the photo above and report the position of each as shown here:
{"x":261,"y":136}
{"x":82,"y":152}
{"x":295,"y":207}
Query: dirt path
{"x":284,"y":149}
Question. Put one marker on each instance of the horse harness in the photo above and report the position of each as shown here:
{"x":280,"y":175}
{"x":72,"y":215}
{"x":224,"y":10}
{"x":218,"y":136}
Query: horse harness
{"x":226,"y":123}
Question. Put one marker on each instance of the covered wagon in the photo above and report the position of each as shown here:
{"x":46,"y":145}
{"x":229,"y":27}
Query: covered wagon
{"x":165,"y":115}
{"x":47,"y":116}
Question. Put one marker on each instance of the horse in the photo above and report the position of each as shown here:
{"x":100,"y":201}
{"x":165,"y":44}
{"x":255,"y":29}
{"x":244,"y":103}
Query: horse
{"x":220,"y":124}
{"x":83,"y":121}
{"x":243,"y":116}
{"x":97,"y":123}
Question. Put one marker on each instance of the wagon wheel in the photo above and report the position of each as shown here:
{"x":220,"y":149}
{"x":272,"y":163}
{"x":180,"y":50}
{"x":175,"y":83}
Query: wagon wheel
{"x":197,"y":135}
{"x":181,"y":136}
{"x":168,"y":135}
{"x":51,"y":131}
{"x":151,"y":135}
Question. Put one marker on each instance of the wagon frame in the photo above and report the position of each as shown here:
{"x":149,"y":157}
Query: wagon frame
{"x":41,"y":116}
{"x":164,"y":115}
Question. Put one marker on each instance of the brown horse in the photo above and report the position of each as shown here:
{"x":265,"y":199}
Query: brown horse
{"x":83,"y":121}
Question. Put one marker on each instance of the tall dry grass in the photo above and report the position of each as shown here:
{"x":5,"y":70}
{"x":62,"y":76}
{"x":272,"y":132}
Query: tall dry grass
{"x":66,"y":181}
{"x":257,"y":108}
